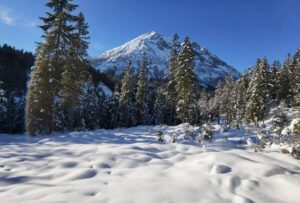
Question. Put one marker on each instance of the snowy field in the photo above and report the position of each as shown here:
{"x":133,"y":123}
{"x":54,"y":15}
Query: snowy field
{"x":129,"y":165}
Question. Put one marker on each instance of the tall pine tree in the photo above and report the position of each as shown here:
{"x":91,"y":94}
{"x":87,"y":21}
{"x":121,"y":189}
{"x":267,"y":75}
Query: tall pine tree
{"x":127,"y":98}
{"x":44,"y":85}
{"x":75,"y":71}
{"x":259,"y":92}
{"x":186,"y":85}
{"x":142,"y":109}
{"x":171,"y":96}
{"x":241,"y":99}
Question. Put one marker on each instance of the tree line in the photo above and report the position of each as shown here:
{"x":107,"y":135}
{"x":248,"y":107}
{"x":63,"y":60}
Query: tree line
{"x":249,"y":99}
{"x":14,"y":70}
{"x":64,"y":94}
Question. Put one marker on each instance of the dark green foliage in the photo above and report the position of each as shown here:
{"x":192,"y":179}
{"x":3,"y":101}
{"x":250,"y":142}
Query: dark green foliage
{"x":186,"y":85}
{"x":227,"y":103}
{"x":59,"y":70}
{"x":171,"y":94}
{"x":259,"y":93}
{"x":160,"y":108}
{"x":127,"y":98}
{"x":75,"y":71}
{"x":241,"y":99}
{"x":280,"y":120}
{"x":142,"y":109}
{"x":89,"y":108}
{"x":14,"y":70}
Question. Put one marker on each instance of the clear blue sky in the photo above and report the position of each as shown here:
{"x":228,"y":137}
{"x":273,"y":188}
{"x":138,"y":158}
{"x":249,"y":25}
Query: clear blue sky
{"x":238,"y":31}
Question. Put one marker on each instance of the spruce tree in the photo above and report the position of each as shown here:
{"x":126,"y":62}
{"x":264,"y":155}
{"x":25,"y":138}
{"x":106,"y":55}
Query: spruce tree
{"x":276,"y":83}
{"x":127,"y":98}
{"x":3,"y":101}
{"x":218,"y":100}
{"x":204,"y":106}
{"x":44,"y":85}
{"x":114,"y":110}
{"x":89,"y":107}
{"x":186,"y":85}
{"x":171,"y":96}
{"x":160,"y":108}
{"x":295,"y":76}
{"x":241,"y":99}
{"x":142,"y":109}
{"x":286,"y":77}
{"x":75,"y":71}
{"x":259,"y":92}
{"x":227,"y":106}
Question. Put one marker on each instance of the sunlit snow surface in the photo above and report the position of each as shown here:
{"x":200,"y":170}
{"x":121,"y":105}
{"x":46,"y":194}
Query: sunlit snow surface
{"x":129,"y":165}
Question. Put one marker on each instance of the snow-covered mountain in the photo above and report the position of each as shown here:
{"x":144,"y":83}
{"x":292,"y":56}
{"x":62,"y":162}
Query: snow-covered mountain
{"x":157,"y":47}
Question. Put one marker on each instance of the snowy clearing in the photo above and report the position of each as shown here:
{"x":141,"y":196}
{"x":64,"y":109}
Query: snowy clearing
{"x":129,"y":165}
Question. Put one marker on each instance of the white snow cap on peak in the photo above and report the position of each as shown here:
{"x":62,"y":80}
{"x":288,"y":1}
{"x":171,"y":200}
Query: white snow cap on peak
{"x":157,"y":47}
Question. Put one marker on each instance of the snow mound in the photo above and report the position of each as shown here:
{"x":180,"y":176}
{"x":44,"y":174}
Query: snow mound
{"x":217,"y":169}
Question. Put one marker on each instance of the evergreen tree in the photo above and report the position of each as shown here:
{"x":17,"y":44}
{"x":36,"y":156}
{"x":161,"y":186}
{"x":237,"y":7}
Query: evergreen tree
{"x":89,"y":107}
{"x":204,"y":106}
{"x":218,"y":100}
{"x":286,"y":77}
{"x":127,"y":98}
{"x":295,"y":76}
{"x":241,"y":99}
{"x":259,"y":91}
{"x":14,"y":69}
{"x":186,"y":85}
{"x":3,"y":101}
{"x":142,"y":110}
{"x":114,"y":110}
{"x":276,"y":83}
{"x":171,"y":97}
{"x":102,"y":105}
{"x":227,"y":106}
{"x":50,"y":61}
{"x":160,"y":108}
{"x":75,"y":71}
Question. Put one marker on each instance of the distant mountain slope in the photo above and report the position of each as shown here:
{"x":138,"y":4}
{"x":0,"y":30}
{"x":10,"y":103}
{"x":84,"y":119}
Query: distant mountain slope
{"x":157,"y":47}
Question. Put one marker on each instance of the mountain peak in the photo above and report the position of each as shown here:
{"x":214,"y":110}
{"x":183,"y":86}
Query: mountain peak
{"x":157,"y":48}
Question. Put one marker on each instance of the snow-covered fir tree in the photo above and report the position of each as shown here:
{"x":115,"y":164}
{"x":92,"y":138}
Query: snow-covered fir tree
{"x":160,"y":108}
{"x":114,"y":111}
{"x":171,"y":94}
{"x":3,"y":101}
{"x":294,"y":77}
{"x":259,"y":93}
{"x":75,"y":70}
{"x":227,"y":106}
{"x":204,"y":106}
{"x":186,"y":85}
{"x":142,"y":110}
{"x":276,"y":84}
{"x":218,"y":100}
{"x":89,"y":107}
{"x":46,"y":74}
{"x":241,"y":99}
{"x":286,"y":93}
{"x":127,"y":98}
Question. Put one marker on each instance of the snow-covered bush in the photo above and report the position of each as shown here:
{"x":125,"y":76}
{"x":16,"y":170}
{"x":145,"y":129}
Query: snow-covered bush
{"x":295,"y":127}
{"x":207,"y":132}
{"x":279,"y":120}
{"x":160,"y":136}
{"x":174,"y":138}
